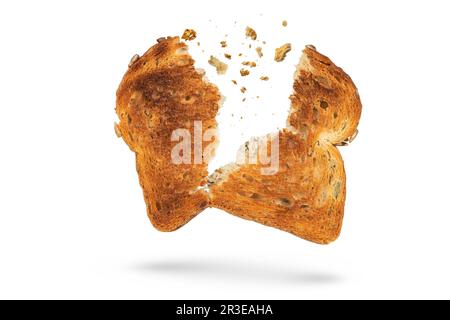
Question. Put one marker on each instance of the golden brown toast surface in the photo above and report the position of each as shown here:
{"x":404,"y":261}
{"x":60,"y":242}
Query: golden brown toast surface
{"x":162,"y":92}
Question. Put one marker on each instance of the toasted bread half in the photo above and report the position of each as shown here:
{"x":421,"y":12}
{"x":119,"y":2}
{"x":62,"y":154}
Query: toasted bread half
{"x":306,"y":196}
{"x":162,"y":92}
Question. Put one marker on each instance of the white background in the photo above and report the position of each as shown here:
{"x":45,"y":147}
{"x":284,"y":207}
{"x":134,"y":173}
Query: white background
{"x":72,"y":216}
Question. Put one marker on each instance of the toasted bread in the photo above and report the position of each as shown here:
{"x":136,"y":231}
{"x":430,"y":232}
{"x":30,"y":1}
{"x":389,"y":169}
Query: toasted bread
{"x":305,"y":196}
{"x":161,"y":92}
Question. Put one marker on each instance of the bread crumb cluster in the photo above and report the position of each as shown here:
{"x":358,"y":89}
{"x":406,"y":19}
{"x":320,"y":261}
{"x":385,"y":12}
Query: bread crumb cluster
{"x":250,"y":33}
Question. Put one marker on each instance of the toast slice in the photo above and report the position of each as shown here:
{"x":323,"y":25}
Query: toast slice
{"x":306,"y":196}
{"x":162,"y":92}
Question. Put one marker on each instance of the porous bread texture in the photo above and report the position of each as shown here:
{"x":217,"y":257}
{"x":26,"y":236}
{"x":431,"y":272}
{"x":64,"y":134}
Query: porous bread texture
{"x":305,"y":196}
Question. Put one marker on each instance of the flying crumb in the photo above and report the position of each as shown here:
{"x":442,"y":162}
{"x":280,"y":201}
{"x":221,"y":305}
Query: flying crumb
{"x":249,"y":46}
{"x":189,"y":35}
{"x":243,"y":100}
{"x":244,"y":72}
{"x":264,"y":42}
{"x":243,"y":89}
{"x":240,"y":55}
{"x":234,"y":82}
{"x":250,"y":64}
{"x":198,"y":44}
{"x":259,"y":52}
{"x":221,"y":67}
{"x":280,"y":53}
{"x":257,"y":97}
{"x":228,"y":56}
{"x":264,"y":78}
{"x":223,"y":44}
{"x":250,"y":33}
{"x":284,"y":23}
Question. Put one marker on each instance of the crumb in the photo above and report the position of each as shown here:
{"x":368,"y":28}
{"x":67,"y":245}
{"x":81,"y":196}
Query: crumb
{"x":259,"y":52}
{"x":223,"y":44}
{"x":117,"y":130}
{"x":234,"y":81}
{"x":240,"y":55}
{"x":244,"y":72}
{"x":189,"y":35}
{"x":228,"y":56}
{"x":198,"y":44}
{"x":243,"y":100}
{"x":250,"y":64}
{"x":243,"y":89}
{"x":284,"y":23}
{"x":133,"y":60}
{"x":257,"y":97}
{"x":264,"y":42}
{"x":221,"y":67}
{"x":250,"y":33}
{"x":280,"y":53}
{"x":249,"y":46}
{"x":264,"y":78}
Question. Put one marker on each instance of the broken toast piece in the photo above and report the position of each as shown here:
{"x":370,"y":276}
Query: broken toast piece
{"x":161,"y":92}
{"x":306,"y":196}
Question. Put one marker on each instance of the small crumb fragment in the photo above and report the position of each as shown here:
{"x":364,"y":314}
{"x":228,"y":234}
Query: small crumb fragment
{"x":243,"y":89}
{"x":223,"y":44}
{"x":257,"y":97}
{"x":240,"y":55}
{"x":259,"y":52}
{"x":228,"y":56}
{"x":117,"y":130}
{"x":221,"y":67}
{"x":250,"y":33}
{"x":133,"y":60}
{"x":198,"y":44}
{"x":189,"y":35}
{"x":280,"y":53}
{"x":234,"y":81}
{"x":250,"y":64}
{"x":264,"y":78}
{"x":243,"y":100}
{"x":249,"y":46}
{"x":244,"y":72}
{"x":284,"y":23}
